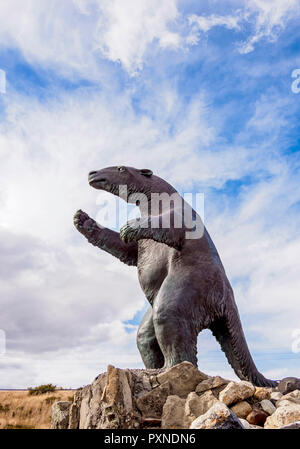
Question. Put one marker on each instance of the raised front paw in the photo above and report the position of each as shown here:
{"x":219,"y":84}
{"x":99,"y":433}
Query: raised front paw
{"x":86,"y":225}
{"x":131,"y":231}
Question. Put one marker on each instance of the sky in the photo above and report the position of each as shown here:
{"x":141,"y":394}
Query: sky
{"x":200,"y":92}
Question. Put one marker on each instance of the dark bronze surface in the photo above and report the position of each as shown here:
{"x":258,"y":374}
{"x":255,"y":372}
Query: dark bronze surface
{"x":183,"y":280}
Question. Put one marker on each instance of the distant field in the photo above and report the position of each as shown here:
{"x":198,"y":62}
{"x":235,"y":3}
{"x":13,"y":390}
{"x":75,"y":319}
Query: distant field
{"x":18,"y":410}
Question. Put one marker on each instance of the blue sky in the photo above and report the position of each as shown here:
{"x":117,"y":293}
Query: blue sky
{"x":200,"y":92}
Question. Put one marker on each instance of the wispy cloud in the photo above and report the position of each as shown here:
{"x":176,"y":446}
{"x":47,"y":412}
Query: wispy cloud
{"x":125,"y":29}
{"x":271,"y":17}
{"x":204,"y":24}
{"x":266,"y":19}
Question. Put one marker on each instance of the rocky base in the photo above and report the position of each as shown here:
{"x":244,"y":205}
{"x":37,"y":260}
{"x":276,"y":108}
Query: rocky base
{"x":181,"y":397}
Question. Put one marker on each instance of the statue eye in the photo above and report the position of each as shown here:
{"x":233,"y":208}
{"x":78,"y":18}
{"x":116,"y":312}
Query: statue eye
{"x":121,"y":168}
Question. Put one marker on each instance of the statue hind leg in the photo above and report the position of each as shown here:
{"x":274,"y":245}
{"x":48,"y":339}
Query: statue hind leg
{"x":147,"y":343}
{"x":175,"y":327}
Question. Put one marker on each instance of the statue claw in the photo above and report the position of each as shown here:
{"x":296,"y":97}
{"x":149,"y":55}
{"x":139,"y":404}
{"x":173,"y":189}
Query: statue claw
{"x":84,"y":223}
{"x":130,"y":231}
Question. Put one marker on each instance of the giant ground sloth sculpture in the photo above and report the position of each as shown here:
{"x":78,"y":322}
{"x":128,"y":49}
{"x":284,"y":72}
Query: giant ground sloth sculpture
{"x":182,"y":278}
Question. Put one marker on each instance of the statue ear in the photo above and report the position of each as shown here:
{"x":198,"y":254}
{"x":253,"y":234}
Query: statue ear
{"x":146,"y":172}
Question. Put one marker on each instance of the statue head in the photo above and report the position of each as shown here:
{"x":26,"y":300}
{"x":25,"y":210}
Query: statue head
{"x":120,"y":178}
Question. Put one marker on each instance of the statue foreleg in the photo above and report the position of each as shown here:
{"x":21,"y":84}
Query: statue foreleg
{"x":106,"y":239}
{"x":149,"y":228}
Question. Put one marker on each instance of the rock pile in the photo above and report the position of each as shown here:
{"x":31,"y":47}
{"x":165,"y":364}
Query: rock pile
{"x":181,"y":397}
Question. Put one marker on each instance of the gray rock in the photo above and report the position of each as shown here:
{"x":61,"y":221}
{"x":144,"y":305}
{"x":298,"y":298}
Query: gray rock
{"x":85,"y":414}
{"x":219,"y":416}
{"x":74,"y":411}
{"x":151,"y":403}
{"x":236,"y":392}
{"x":183,"y":378}
{"x":241,"y":409}
{"x":197,"y":405}
{"x":60,"y":415}
{"x":110,"y":402}
{"x":142,"y":381}
{"x":292,"y":397}
{"x":294,"y":425}
{"x":262,"y":393}
{"x":288,"y":384}
{"x":173,"y":413}
{"x":210,"y":383}
{"x":107,"y":403}
{"x":268,"y":406}
{"x":257,"y":417}
{"x":116,"y":401}
{"x":287,"y":413}
{"x":276,"y":396}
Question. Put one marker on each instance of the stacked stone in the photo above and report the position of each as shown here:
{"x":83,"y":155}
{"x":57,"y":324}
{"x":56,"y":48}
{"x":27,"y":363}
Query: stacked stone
{"x":181,"y":397}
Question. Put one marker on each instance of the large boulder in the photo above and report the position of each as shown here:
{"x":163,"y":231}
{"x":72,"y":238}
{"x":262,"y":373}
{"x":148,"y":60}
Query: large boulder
{"x":268,"y":406}
{"x":262,"y":393}
{"x":293,"y":397}
{"x":219,"y":416}
{"x":173,"y":413}
{"x":108,"y":402}
{"x":183,"y":378}
{"x":89,"y":404}
{"x":276,"y":396}
{"x":74,"y":411}
{"x":241,"y":409}
{"x":211,"y":383}
{"x":151,"y":403}
{"x":288,"y":384}
{"x":60,"y":415}
{"x":257,"y":417}
{"x":287,"y":413}
{"x":236,"y":392}
{"x":198,"y":405}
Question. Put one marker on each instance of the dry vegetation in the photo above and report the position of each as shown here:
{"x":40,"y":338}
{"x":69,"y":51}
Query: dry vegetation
{"x":19,"y":410}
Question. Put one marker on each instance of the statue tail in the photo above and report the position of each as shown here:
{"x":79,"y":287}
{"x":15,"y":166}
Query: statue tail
{"x":229,"y":333}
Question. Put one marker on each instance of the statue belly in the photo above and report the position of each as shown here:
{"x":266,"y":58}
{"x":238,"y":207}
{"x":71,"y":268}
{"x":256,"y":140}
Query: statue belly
{"x":153,"y":260}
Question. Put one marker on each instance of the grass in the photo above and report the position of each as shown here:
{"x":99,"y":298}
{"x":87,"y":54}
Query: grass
{"x":21,"y":410}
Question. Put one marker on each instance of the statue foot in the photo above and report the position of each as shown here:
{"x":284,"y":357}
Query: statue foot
{"x":86,"y":225}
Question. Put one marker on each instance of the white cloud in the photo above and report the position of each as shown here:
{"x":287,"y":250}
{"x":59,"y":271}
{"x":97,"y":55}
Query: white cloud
{"x":72,"y":36}
{"x":125,"y":29}
{"x":75,"y":37}
{"x":271,"y":17}
{"x":206,"y":23}
{"x":54,"y":34}
{"x":267,"y":18}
